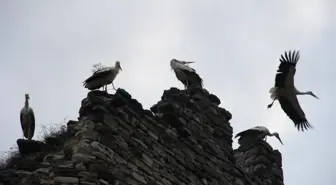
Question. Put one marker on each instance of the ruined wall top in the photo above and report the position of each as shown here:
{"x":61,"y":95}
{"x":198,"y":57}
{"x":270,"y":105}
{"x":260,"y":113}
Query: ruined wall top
{"x":185,"y":139}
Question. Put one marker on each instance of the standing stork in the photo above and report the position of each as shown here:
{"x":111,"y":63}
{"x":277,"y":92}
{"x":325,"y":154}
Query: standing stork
{"x":186,"y":74}
{"x":27,"y":119}
{"x":285,"y":92}
{"x":258,"y":132}
{"x":103,"y":77}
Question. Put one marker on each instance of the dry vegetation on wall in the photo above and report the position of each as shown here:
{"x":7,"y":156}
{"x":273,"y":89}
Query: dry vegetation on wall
{"x":53,"y":134}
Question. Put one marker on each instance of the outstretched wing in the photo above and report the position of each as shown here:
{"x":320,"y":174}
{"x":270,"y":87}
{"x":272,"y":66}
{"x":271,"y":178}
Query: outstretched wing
{"x":290,"y":105}
{"x":286,"y":70}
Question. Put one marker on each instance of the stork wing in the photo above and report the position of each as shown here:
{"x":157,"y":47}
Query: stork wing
{"x":248,"y":132}
{"x":21,"y":120}
{"x":286,"y":71}
{"x":101,"y":69}
{"x":260,"y":128}
{"x":194,"y":78}
{"x":32,"y":124}
{"x":290,"y":105}
{"x":98,"y":74}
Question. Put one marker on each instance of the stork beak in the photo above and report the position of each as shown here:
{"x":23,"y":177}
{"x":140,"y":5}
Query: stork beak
{"x":277,"y":136}
{"x":314,"y":95}
{"x":120,"y":67}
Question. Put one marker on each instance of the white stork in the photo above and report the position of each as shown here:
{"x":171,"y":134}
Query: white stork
{"x":285,"y":92}
{"x":186,"y":74}
{"x":103,"y":77}
{"x":27,"y":119}
{"x":258,"y":132}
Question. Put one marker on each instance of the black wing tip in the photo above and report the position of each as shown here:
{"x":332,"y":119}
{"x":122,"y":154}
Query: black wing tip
{"x":303,"y":126}
{"x":290,"y":56}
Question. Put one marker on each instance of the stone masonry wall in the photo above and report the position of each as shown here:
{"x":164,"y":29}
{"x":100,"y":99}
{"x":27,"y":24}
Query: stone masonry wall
{"x":259,"y":161}
{"x":186,"y":139}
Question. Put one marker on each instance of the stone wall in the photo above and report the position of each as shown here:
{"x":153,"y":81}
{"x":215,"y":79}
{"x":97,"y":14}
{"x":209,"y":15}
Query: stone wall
{"x":185,"y":139}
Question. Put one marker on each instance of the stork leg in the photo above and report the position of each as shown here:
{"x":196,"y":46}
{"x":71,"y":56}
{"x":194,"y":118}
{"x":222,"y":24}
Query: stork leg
{"x":113,"y":86}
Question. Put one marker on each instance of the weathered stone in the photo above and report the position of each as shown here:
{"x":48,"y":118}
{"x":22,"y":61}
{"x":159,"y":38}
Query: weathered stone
{"x":66,"y":180}
{"x":27,"y":147}
{"x":79,"y":157}
{"x":187,"y":142}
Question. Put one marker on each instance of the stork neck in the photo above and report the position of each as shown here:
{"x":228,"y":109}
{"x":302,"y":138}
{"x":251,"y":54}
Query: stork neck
{"x":26,"y":103}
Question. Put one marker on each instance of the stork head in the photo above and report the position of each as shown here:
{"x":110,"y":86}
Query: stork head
{"x":173,"y":63}
{"x":181,"y":62}
{"x":27,"y":96}
{"x":277,"y":136}
{"x":173,"y":60}
{"x":117,"y":65}
{"x":312,"y":94}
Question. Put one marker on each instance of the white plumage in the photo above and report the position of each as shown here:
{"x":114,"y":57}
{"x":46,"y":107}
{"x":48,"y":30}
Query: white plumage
{"x":27,"y":119}
{"x":102,"y":77}
{"x":258,"y":132}
{"x":186,"y":74}
{"x":285,"y":92}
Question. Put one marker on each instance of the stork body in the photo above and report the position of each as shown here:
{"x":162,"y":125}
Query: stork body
{"x":258,"y":132}
{"x":285,"y":92}
{"x":99,"y":67}
{"x":27,"y":119}
{"x":186,"y":74}
{"x":102,"y":77}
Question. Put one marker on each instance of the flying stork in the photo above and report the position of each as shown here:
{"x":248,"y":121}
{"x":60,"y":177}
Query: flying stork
{"x":186,"y":74}
{"x":285,"y":92}
{"x":27,"y":119}
{"x":103,"y":77}
{"x":258,"y":132}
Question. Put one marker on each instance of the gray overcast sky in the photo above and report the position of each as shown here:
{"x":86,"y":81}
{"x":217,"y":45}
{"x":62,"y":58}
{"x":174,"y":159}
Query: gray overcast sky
{"x":47,"y":48}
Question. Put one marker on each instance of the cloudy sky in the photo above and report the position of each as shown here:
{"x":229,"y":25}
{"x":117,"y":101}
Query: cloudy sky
{"x":47,"y":48}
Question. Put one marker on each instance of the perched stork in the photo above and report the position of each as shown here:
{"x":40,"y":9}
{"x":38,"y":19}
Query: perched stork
{"x":27,"y":119}
{"x":285,"y":92}
{"x":102,"y":77}
{"x":186,"y":74}
{"x":258,"y":132}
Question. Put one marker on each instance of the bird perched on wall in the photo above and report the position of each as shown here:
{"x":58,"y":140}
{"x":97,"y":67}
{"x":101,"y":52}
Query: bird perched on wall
{"x":186,"y":74}
{"x":285,"y":92}
{"x":103,"y":77}
{"x":27,"y":119}
{"x":258,"y":132}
